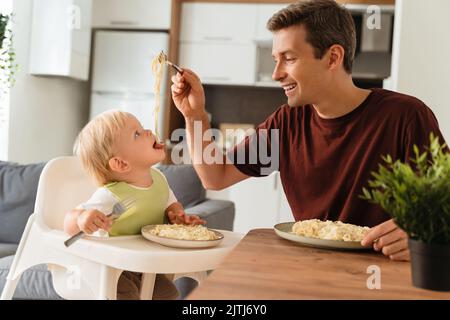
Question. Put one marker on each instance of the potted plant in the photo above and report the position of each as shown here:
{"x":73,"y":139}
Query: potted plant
{"x":8,"y":67}
{"x":417,"y":196}
{"x":3,"y":23}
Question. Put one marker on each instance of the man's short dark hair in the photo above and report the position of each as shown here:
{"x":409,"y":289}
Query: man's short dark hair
{"x":326,"y":23}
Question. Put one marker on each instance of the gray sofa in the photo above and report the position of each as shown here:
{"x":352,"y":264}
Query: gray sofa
{"x":18,"y":186}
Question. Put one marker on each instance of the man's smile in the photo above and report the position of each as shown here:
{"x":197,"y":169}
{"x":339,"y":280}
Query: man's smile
{"x":289,"y":88}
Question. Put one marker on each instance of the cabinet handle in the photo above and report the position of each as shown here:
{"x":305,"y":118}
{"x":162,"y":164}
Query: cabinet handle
{"x":209,"y":38}
{"x":119,"y":22}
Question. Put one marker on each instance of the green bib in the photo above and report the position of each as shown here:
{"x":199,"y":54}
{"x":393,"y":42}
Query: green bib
{"x":149,"y":207}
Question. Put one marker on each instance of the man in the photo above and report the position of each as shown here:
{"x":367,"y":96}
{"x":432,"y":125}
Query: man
{"x":332,"y":134}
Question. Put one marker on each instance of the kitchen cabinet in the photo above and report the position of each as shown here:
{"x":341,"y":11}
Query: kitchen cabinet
{"x":61,"y":38}
{"x":132,"y":14}
{"x":284,"y":210}
{"x":259,"y":202}
{"x":216,"y":40}
{"x":263,"y":39}
{"x":218,"y":23}
{"x":220,"y":63}
{"x":264,"y":13}
{"x":227,"y":43}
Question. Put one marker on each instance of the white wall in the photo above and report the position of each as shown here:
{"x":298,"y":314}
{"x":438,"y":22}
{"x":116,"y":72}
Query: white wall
{"x":45,"y":113}
{"x":420,"y":63}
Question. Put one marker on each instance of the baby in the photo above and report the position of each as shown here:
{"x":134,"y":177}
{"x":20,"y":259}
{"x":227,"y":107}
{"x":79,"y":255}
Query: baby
{"x":119,"y":154}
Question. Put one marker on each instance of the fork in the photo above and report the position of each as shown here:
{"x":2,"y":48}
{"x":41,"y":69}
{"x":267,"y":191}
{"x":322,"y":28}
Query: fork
{"x":162,"y":56}
{"x":119,"y":208}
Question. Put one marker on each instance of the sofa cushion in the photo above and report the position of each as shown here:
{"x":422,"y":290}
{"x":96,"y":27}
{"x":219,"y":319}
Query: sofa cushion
{"x":185,"y":183}
{"x":219,"y":214}
{"x":7,"y":249}
{"x":35,"y":282}
{"x":18,"y":186}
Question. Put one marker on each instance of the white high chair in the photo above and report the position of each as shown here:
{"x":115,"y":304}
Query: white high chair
{"x":90,"y":268}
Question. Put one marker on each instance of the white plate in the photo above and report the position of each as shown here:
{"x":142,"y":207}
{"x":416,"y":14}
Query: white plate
{"x":179,"y":243}
{"x":284,"y":231}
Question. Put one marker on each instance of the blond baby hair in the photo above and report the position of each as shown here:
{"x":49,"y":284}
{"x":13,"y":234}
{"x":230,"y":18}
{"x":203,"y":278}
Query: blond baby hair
{"x":95,"y":143}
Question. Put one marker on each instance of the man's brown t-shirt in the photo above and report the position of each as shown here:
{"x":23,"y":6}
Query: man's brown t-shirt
{"x":325,"y":163}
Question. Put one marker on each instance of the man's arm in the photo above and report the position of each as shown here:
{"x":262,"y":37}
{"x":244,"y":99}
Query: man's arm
{"x":189,"y":98}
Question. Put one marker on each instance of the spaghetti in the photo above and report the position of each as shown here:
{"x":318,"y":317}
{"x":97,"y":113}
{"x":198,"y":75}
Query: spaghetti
{"x":158,"y":63}
{"x":329,"y":230}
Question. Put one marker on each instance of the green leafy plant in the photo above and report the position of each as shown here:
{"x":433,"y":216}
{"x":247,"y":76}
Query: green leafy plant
{"x":8,"y":67}
{"x":3,"y":23}
{"x":417,"y":196}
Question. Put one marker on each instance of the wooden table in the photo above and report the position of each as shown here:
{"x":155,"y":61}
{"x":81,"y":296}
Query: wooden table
{"x":264,"y":266}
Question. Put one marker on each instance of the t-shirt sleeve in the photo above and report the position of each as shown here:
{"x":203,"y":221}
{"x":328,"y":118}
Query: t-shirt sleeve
{"x":420,"y":125}
{"x":259,"y":153}
{"x":102,"y":200}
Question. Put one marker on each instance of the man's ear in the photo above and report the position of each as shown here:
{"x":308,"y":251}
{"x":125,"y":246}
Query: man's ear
{"x":118,"y":165}
{"x":335,"y":56}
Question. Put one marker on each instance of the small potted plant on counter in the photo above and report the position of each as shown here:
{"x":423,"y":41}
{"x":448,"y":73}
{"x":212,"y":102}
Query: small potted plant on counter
{"x":417,"y":196}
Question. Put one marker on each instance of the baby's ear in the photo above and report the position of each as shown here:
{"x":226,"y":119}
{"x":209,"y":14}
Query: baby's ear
{"x":118,"y":165}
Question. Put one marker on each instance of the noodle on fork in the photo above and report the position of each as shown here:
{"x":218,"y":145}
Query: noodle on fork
{"x":158,"y":63}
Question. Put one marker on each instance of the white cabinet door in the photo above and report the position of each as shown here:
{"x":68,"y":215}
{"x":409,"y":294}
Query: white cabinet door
{"x":216,"y":22}
{"x":61,"y":38}
{"x":133,"y":14}
{"x":220,"y":63}
{"x":141,"y":105}
{"x":265,"y":12}
{"x":284,"y":210}
{"x":122,"y":60}
{"x":256,"y":202}
{"x":259,"y":202}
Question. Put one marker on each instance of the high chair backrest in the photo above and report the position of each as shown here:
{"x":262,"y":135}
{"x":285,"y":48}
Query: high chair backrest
{"x":62,"y":186}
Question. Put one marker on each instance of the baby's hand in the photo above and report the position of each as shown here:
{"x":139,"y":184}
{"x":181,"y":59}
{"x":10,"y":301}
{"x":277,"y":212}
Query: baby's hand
{"x":180,"y":217}
{"x":90,"y":221}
